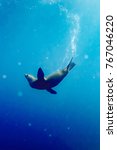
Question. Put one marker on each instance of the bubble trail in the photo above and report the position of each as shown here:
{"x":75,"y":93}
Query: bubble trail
{"x":73,"y":19}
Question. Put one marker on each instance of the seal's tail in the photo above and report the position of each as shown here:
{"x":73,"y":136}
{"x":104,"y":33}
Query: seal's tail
{"x":70,"y":65}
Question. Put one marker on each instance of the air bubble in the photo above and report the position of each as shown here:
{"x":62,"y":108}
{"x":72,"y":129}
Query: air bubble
{"x":68,"y":128}
{"x":50,"y":135}
{"x":19,"y":63}
{"x":29,"y":124}
{"x":47,"y":58}
{"x":86,"y":56}
{"x":4,"y":76}
{"x":45,"y":130}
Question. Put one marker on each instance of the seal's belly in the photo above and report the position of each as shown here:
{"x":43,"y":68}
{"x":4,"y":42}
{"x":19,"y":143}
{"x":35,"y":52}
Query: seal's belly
{"x":55,"y":78}
{"x":39,"y":85}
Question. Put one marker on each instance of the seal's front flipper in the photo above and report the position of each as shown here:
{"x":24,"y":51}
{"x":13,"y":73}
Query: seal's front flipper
{"x":40,"y":74}
{"x":51,"y":91}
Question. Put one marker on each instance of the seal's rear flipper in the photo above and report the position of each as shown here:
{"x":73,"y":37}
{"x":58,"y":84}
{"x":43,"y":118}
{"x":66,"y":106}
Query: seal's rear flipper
{"x":51,"y":91}
{"x":70,"y":65}
{"x":40,"y":74}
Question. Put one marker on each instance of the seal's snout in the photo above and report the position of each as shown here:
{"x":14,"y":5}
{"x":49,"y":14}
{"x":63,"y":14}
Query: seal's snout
{"x":26,"y":75}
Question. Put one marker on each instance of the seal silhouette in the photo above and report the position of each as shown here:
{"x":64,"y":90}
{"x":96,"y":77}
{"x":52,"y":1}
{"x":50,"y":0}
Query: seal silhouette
{"x":47,"y":83}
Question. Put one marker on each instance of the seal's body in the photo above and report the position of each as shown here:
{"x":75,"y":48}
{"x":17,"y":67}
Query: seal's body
{"x":47,"y":83}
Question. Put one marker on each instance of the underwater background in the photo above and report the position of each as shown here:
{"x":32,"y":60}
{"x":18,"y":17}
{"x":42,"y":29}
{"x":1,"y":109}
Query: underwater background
{"x":47,"y":34}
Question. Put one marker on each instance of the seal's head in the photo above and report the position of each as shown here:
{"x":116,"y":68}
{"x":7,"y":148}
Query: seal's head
{"x":29,"y":77}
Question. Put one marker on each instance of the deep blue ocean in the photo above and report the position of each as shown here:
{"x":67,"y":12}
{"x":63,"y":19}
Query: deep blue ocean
{"x":47,"y":34}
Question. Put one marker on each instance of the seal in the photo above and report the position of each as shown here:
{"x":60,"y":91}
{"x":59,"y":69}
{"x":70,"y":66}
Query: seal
{"x":47,"y":83}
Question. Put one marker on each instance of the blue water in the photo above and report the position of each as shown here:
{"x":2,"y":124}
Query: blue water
{"x":46,"y":34}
